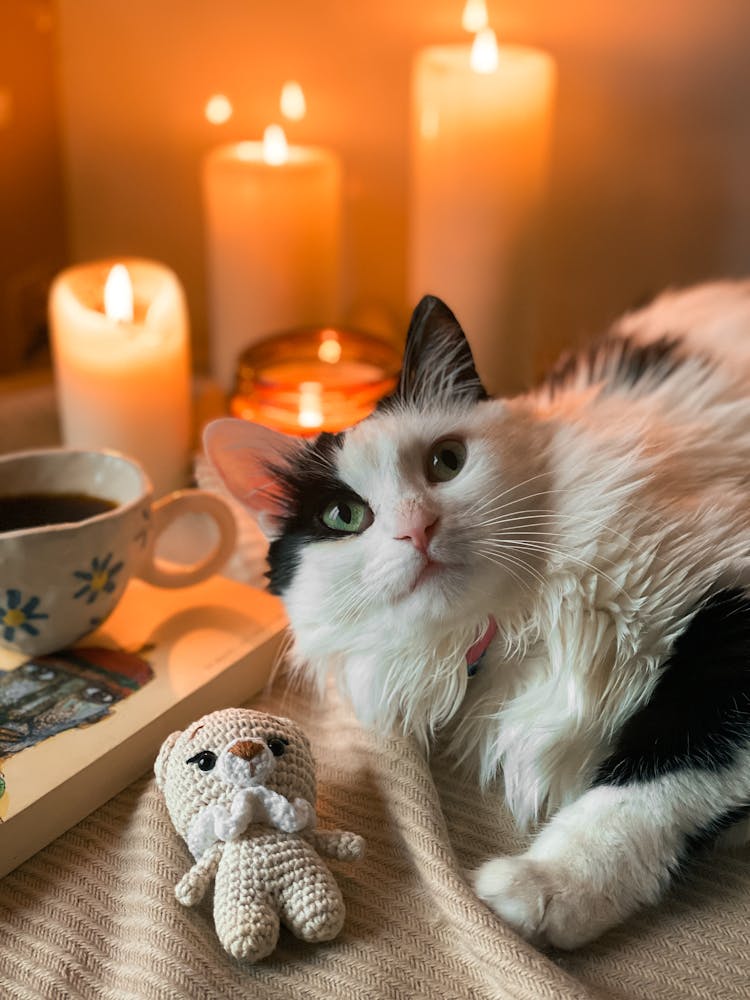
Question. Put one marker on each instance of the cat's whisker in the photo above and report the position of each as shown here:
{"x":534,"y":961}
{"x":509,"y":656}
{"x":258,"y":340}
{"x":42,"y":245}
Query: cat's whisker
{"x":510,"y":489}
{"x":552,"y":491}
{"x":356,"y":600}
{"x":506,"y":563}
{"x":543,"y":519}
{"x":486,"y":549}
{"x":540,"y":542}
{"x":280,"y":661}
{"x":530,"y":531}
{"x":355,"y":605}
{"x":547,"y":549}
{"x":555,"y":491}
{"x":525,"y":509}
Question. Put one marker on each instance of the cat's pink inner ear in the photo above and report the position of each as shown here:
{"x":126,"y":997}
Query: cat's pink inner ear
{"x":242,"y":452}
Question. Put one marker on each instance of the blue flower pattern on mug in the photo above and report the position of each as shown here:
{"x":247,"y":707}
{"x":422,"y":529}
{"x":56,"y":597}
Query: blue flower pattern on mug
{"x":100,"y":578}
{"x":18,"y":615}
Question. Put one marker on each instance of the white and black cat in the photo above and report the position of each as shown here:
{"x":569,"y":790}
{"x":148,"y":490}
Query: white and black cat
{"x":556,"y":582}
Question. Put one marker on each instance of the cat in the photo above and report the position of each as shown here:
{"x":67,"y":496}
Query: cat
{"x":557,"y":584}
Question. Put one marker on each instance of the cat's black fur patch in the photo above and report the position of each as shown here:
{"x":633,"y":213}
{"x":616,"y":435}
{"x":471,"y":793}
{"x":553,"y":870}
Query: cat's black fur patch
{"x":621,"y":362}
{"x":699,"y":714}
{"x":699,"y":840}
{"x":307,"y":484}
{"x":437,"y":363}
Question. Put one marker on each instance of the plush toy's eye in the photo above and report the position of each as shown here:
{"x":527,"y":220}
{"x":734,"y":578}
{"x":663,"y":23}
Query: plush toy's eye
{"x":277,"y":745}
{"x":445,"y":459}
{"x":206,"y":760}
{"x":347,"y":516}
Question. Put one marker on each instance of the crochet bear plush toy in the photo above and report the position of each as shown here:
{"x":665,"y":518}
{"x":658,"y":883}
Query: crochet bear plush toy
{"x":240,"y":788}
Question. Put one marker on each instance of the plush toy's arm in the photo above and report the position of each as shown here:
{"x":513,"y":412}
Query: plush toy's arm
{"x":192,"y":886}
{"x":339,"y":844}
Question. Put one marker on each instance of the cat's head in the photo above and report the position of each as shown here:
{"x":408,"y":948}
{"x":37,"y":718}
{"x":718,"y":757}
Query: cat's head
{"x":382,"y":536}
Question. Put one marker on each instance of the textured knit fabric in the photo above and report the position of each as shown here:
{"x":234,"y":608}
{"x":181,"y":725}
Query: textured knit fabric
{"x":94,"y":915}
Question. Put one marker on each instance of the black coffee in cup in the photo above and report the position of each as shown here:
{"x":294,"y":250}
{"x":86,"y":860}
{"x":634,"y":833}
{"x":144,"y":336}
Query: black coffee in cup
{"x":33,"y":510}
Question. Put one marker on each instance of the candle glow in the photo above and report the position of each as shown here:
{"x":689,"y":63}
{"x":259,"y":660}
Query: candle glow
{"x":218,"y":109}
{"x":474,"y":17}
{"x":480,"y":139}
{"x":118,"y":295}
{"x":485,"y":57}
{"x":275,"y":147}
{"x":6,"y":106}
{"x":273,"y":234}
{"x":310,"y":404}
{"x":293,"y":104}
{"x":330,"y":348}
{"x":122,"y":366}
{"x":302,"y":381}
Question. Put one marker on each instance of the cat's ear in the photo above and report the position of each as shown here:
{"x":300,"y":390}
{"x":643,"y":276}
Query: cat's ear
{"x":250,"y":458}
{"x":438,"y":363}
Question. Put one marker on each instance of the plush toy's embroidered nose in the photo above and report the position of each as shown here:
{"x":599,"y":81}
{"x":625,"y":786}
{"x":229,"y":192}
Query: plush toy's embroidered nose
{"x":246,"y":762}
{"x":247,"y":749}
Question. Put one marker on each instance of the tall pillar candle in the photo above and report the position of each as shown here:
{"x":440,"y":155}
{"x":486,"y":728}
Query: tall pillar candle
{"x":479,"y":160}
{"x":124,"y":383}
{"x":273,"y":234}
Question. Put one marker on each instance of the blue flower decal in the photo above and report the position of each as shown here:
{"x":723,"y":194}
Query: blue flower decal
{"x":18,"y":615}
{"x":99,"y":579}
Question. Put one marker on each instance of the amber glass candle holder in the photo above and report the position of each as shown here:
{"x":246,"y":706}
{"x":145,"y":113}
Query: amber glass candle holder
{"x":313,"y":379}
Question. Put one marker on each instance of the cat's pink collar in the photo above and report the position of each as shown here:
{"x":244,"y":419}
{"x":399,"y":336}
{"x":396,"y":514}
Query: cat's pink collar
{"x":476,"y":652}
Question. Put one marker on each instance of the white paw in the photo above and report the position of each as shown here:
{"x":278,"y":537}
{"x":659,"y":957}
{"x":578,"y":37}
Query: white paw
{"x":543,"y":902}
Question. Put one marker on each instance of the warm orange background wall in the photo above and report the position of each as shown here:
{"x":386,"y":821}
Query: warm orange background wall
{"x":32,"y":231}
{"x":651,"y":153}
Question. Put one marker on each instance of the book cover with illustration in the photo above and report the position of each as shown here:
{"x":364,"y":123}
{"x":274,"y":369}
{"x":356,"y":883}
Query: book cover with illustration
{"x":76,"y":727}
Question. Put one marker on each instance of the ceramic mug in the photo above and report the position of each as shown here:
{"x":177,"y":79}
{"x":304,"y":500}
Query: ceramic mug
{"x":59,"y":581}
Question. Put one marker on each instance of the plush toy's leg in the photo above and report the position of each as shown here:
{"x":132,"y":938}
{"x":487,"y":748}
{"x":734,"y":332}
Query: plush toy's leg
{"x":311,"y":906}
{"x":245,"y":917}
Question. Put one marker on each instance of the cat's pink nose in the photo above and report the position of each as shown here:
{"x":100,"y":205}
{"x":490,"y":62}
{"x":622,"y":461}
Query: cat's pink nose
{"x":418,"y":529}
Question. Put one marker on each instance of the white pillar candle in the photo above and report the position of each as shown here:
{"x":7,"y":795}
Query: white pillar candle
{"x":479,"y":158}
{"x":124,"y":383}
{"x":273,"y":232}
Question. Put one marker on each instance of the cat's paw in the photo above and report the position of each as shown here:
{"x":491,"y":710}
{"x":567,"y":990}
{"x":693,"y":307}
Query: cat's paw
{"x":542,"y":902}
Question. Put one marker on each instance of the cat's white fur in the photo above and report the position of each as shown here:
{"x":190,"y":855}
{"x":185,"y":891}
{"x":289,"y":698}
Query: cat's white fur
{"x":606,"y":855}
{"x":589,"y":524}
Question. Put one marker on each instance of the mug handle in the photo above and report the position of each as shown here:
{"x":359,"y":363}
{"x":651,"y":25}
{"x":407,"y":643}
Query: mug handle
{"x":169,"y":509}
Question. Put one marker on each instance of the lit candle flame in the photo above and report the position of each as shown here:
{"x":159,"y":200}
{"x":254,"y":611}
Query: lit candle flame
{"x":329,"y":349}
{"x":118,"y":295}
{"x":485,"y":56}
{"x":474,"y":17}
{"x":310,"y":404}
{"x":275,"y":148}
{"x":218,"y":109}
{"x":293,"y":103}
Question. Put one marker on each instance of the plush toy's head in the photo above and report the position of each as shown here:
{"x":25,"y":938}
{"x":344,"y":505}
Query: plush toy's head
{"x":230,"y":750}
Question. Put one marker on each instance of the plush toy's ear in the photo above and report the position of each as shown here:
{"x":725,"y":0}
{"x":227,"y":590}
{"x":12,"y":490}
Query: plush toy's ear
{"x":438,"y":365}
{"x":160,"y":766}
{"x":245,"y":455}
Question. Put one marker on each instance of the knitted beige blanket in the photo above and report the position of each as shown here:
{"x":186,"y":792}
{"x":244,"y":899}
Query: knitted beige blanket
{"x":94,"y":915}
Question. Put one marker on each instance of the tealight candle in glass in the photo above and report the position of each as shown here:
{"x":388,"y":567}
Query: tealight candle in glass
{"x":313,"y":379}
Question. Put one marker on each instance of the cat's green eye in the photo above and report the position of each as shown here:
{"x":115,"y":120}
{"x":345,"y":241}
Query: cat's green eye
{"x":445,"y":459}
{"x":350,"y":516}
